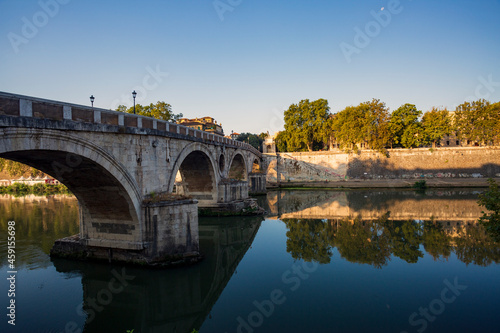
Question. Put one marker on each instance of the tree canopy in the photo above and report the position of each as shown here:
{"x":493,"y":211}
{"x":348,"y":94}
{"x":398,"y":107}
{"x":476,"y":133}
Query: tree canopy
{"x":366,"y":123}
{"x":435,"y":125}
{"x":252,"y":139}
{"x":306,"y":125}
{"x":478,"y":121}
{"x":160,"y":110}
{"x":310,"y":126}
{"x":405,"y":127}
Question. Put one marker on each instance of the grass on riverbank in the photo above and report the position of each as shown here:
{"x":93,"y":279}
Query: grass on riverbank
{"x":19,"y":189}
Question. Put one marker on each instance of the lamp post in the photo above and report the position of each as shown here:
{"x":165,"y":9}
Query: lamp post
{"x":92,"y":98}
{"x":133,"y":95}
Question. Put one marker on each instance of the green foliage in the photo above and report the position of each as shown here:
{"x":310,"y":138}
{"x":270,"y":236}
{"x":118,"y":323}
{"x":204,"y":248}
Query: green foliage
{"x":160,"y":110}
{"x":365,"y":123}
{"x":374,"y":241}
{"x":309,"y":126}
{"x":420,"y":185}
{"x":347,"y":128}
{"x":252,"y":139}
{"x":16,"y":169}
{"x":491,"y":201}
{"x":436,"y":242}
{"x":404,"y":126}
{"x":405,"y":238}
{"x":435,"y":125}
{"x":478,"y":121}
{"x":20,"y":189}
{"x":364,"y":243}
{"x":281,"y":141}
{"x":308,"y":240}
{"x":306,"y":123}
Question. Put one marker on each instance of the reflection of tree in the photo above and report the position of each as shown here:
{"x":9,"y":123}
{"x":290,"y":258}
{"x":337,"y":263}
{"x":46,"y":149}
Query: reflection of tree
{"x":363,"y":242}
{"x":405,"y":239}
{"x":308,"y":240}
{"x":436,"y":242}
{"x":373,"y":242}
{"x":476,"y":246}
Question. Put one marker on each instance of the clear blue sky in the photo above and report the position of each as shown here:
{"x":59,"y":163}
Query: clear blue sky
{"x":248,"y":67}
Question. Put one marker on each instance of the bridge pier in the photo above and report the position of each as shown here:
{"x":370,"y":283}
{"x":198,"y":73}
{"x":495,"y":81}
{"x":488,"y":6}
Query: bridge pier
{"x":171,"y":235}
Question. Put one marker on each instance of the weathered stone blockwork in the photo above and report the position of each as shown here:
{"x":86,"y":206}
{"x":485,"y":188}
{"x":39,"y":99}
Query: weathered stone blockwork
{"x":171,"y":228}
{"x":422,"y":163}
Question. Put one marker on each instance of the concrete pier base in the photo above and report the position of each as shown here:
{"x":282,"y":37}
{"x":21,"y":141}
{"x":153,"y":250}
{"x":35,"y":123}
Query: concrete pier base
{"x":244,"y":207}
{"x":171,"y":236}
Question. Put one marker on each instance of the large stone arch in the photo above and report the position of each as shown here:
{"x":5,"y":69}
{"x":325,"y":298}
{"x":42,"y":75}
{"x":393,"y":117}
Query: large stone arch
{"x":238,"y":169}
{"x":198,"y":169}
{"x":109,"y":198}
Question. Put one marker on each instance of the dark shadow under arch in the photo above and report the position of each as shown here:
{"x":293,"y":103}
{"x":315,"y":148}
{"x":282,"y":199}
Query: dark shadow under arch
{"x":238,"y":170}
{"x":198,"y":177}
{"x":101,"y":196}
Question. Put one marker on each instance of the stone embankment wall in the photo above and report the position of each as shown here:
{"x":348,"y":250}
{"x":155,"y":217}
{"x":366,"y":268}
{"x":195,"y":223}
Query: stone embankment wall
{"x":421,"y":163}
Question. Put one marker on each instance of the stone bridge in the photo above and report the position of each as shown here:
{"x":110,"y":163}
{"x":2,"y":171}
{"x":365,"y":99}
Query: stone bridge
{"x":123,"y":168}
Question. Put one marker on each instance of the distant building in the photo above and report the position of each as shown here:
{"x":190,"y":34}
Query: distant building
{"x":234,"y":135}
{"x":207,"y":124}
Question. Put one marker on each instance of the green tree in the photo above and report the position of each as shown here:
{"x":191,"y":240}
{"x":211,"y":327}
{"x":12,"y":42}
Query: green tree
{"x":252,"y":139}
{"x":346,"y":126}
{"x":491,"y":201}
{"x":307,"y":123}
{"x":478,"y":121}
{"x":376,"y":124}
{"x":435,"y":125}
{"x":160,"y":110}
{"x":16,"y":169}
{"x":404,"y":126}
{"x":281,"y":141}
{"x":365,"y":123}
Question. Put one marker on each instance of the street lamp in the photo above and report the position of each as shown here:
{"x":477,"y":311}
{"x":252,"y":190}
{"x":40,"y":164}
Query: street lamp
{"x":133,"y":95}
{"x":92,"y":98}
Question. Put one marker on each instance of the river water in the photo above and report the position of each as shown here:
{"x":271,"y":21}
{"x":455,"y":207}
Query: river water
{"x":320,"y":261}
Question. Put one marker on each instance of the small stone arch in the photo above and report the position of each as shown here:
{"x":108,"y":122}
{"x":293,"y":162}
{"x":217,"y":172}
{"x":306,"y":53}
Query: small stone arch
{"x":197,"y":169}
{"x":256,"y":167}
{"x":238,"y":167}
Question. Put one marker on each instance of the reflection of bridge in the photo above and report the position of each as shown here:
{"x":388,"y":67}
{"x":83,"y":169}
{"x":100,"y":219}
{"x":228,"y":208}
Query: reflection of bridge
{"x":167,"y":300}
{"x":402,"y":205}
{"x":113,"y":161}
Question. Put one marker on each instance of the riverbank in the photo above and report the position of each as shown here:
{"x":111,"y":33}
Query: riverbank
{"x":20,"y":189}
{"x":386,"y":183}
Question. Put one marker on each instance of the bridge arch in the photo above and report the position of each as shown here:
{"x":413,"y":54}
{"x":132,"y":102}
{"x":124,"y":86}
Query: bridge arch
{"x":238,"y":167}
{"x":256,"y":167}
{"x":197,"y":168}
{"x":109,"y":198}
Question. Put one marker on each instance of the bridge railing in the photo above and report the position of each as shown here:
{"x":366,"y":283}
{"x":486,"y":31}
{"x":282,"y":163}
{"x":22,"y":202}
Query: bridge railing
{"x":27,"y":106}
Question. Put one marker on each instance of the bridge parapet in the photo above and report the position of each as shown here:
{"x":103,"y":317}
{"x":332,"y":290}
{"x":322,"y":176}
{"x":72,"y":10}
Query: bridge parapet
{"x":32,"y":107}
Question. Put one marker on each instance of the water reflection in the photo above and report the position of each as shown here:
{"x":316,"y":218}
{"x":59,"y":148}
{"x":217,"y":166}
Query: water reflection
{"x":39,"y":221}
{"x":370,"y":227}
{"x":175,"y":300}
